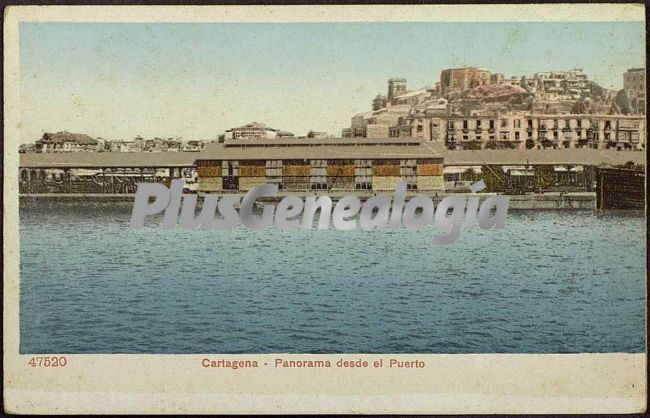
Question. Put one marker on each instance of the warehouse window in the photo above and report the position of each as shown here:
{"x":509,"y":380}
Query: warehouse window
{"x":274,"y":172}
{"x":363,"y":174}
{"x":318,"y":175}
{"x":408,"y":173}
{"x":230,"y":175}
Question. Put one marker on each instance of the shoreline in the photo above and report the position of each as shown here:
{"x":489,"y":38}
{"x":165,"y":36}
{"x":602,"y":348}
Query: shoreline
{"x":545,"y":201}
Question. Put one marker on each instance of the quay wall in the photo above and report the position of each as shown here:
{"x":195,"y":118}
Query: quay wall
{"x":546,"y":201}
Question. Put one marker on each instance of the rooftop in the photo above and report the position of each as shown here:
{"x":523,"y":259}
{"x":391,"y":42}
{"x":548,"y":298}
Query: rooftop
{"x":108,"y":159}
{"x":320,"y":148}
{"x":329,"y":148}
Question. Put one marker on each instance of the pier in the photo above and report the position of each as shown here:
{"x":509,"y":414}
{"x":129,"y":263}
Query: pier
{"x":535,"y":179}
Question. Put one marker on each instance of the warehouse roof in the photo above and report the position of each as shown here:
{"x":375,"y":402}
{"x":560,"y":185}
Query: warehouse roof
{"x":107,"y":159}
{"x":329,"y":148}
{"x":319,"y":148}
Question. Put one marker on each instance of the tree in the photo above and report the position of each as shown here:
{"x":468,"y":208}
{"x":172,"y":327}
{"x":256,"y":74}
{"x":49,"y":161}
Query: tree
{"x":581,"y":107}
{"x":622,"y":102}
{"x":543,"y":177}
{"x":597,"y":92}
{"x":493,"y":177}
{"x":469,"y":175}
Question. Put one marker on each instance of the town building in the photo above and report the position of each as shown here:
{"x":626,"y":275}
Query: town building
{"x":521,"y":130}
{"x":562,"y":85}
{"x":121,"y":145}
{"x":254,"y":130}
{"x":25,"y":148}
{"x":527,"y":131}
{"x":634,"y":85}
{"x":317,"y":135}
{"x":375,"y":124}
{"x":68,"y":142}
{"x":497,"y":78}
{"x":192,"y":146}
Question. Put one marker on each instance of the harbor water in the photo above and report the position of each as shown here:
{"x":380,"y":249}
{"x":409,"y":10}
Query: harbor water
{"x":550,"y":282}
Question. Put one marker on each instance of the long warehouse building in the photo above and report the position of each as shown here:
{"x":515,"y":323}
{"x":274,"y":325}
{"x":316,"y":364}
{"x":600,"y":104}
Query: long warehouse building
{"x":320,"y":164}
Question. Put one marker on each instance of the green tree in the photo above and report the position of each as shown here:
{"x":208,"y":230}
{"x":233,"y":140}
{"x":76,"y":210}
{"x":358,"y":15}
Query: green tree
{"x":469,"y":175}
{"x":543,"y":177}
{"x":494,"y":178}
{"x":622,"y":102}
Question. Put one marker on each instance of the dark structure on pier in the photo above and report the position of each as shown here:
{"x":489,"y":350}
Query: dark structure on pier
{"x":620,"y":188}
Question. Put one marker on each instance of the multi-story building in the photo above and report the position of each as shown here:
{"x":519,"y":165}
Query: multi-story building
{"x":459,"y":79}
{"x":414,"y":97}
{"x":562,"y":85}
{"x":503,"y":131}
{"x":121,"y":145}
{"x":68,"y":142}
{"x":423,"y":125}
{"x":254,"y":130}
{"x":497,"y":78}
{"x":634,"y":85}
{"x":192,"y":146}
{"x":375,"y":124}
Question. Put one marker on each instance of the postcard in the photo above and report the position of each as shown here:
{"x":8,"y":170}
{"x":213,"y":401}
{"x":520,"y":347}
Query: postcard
{"x":332,"y":209}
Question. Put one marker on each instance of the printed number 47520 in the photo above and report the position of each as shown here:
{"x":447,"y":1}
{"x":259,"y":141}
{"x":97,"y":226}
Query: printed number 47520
{"x":47,"y":361}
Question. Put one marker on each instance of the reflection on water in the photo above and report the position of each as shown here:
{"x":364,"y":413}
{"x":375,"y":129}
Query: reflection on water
{"x":549,"y":282}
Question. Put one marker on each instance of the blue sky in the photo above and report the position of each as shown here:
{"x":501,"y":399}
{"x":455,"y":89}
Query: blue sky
{"x":196,"y":79}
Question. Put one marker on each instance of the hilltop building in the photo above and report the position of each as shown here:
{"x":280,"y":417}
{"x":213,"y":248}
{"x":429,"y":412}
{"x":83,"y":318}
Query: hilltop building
{"x":396,"y":87}
{"x":562,"y":85}
{"x":455,"y":80}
